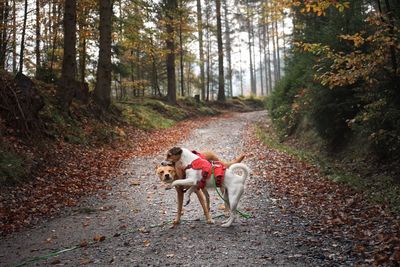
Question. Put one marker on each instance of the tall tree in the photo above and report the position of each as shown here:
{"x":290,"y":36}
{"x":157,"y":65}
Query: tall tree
{"x":14,"y":38}
{"x":249,"y":29}
{"x":102,"y":91}
{"x":208,"y":40}
{"x":260,"y":60}
{"x":4,"y":12}
{"x":228,"y":48}
{"x":21,"y":54}
{"x":170,"y":7}
{"x":68,"y":73}
{"x":201,"y":52}
{"x":278,"y":56}
{"x":38,"y":38}
{"x":181,"y":50}
{"x":221,"y":78}
{"x":56,"y":16}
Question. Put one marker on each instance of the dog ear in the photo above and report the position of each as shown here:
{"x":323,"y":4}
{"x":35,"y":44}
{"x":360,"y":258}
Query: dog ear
{"x":175,"y":151}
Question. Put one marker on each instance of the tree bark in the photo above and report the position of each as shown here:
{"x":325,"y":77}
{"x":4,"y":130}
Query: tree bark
{"x":278,"y":56}
{"x":221,"y":77}
{"x":181,"y":52}
{"x":252,"y":82}
{"x":201,"y":52}
{"x":228,"y":49}
{"x":4,"y":12}
{"x":170,"y":6}
{"x":260,"y":58}
{"x":14,"y":39}
{"x":269,"y":69}
{"x":56,"y":12}
{"x":82,"y":43}
{"x":38,"y":38}
{"x":21,"y":54}
{"x":102,"y":91}
{"x":68,"y":72}
{"x":275,"y":64}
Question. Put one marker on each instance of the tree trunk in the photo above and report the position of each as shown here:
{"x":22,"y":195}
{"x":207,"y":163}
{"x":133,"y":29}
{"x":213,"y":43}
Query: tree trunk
{"x":182,"y":80}
{"x":254,"y":92}
{"x":4,"y":12}
{"x":14,"y":39}
{"x":171,"y":6}
{"x":260,"y":57}
{"x":278,"y":56}
{"x":82,"y":44}
{"x":21,"y":54}
{"x":221,"y":77}
{"x":252,"y":82}
{"x":228,"y":49}
{"x":275,"y":64}
{"x":68,"y":72}
{"x":102,"y":91}
{"x":38,"y":38}
{"x":269,"y":74}
{"x":56,"y":10}
{"x":266,"y":59}
{"x":200,"y":32}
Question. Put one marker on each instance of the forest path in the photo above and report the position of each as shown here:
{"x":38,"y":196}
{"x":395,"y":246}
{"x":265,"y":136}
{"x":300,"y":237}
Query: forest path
{"x":132,"y":217}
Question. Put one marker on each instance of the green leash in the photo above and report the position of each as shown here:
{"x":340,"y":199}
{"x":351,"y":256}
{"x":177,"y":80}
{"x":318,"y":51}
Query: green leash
{"x":242,"y":214}
{"x":58,"y":252}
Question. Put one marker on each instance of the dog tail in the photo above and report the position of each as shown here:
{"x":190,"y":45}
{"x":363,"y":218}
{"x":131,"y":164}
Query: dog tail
{"x":240,"y":166}
{"x":237,"y":160}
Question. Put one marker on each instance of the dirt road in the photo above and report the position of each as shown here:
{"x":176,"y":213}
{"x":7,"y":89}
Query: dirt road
{"x":133,"y":218}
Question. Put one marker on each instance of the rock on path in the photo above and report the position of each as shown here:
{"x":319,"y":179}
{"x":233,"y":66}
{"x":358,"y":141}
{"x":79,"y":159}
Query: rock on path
{"x":133,"y":219}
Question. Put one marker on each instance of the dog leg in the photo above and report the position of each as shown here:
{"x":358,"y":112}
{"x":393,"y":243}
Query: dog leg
{"x":203,"y":204}
{"x":234,"y":197}
{"x":226,"y":202}
{"x":185,"y":182}
{"x":180,"y":194}
{"x":207,"y":195}
{"x":189,"y":194}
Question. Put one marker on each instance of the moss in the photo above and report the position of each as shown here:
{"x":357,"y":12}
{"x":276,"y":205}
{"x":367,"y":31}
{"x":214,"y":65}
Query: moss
{"x":13,"y":167}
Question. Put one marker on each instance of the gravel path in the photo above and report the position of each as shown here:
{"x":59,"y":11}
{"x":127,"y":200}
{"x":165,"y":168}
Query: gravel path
{"x":132,"y":217}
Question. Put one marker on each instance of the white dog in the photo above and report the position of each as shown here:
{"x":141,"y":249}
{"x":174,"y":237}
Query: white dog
{"x":233,"y":183}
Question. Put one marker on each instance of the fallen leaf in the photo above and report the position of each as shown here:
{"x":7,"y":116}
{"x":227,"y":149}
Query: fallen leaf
{"x":146,"y":243}
{"x":99,"y":238}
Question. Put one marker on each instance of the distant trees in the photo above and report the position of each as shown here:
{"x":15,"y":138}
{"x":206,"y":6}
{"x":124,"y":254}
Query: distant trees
{"x":151,"y":46}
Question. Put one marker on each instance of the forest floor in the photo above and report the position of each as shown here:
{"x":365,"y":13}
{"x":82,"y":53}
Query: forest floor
{"x":300,"y":218}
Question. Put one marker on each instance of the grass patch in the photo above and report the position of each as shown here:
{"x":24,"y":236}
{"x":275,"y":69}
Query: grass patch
{"x":145,"y":117}
{"x":379,"y":189}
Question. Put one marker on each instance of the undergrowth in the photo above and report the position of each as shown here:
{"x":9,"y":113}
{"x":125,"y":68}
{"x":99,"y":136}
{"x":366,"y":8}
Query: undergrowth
{"x":379,"y":189}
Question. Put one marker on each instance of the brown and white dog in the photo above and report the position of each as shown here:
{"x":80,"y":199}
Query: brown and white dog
{"x":233,"y":183}
{"x":168,"y":174}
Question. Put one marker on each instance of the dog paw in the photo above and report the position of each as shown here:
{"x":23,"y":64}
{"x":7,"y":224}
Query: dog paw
{"x":227,"y":224}
{"x":176,"y":222}
{"x":210,"y":221}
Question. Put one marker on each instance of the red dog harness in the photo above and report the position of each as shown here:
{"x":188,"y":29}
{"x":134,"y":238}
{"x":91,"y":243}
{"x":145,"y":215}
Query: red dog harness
{"x":206,"y":170}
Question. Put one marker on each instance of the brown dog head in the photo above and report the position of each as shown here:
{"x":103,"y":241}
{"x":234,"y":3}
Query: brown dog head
{"x":166,"y":173}
{"x":174,"y":154}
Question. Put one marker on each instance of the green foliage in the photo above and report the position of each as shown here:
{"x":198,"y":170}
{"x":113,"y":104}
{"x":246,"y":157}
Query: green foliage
{"x":345,"y":86}
{"x":280,"y":104}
